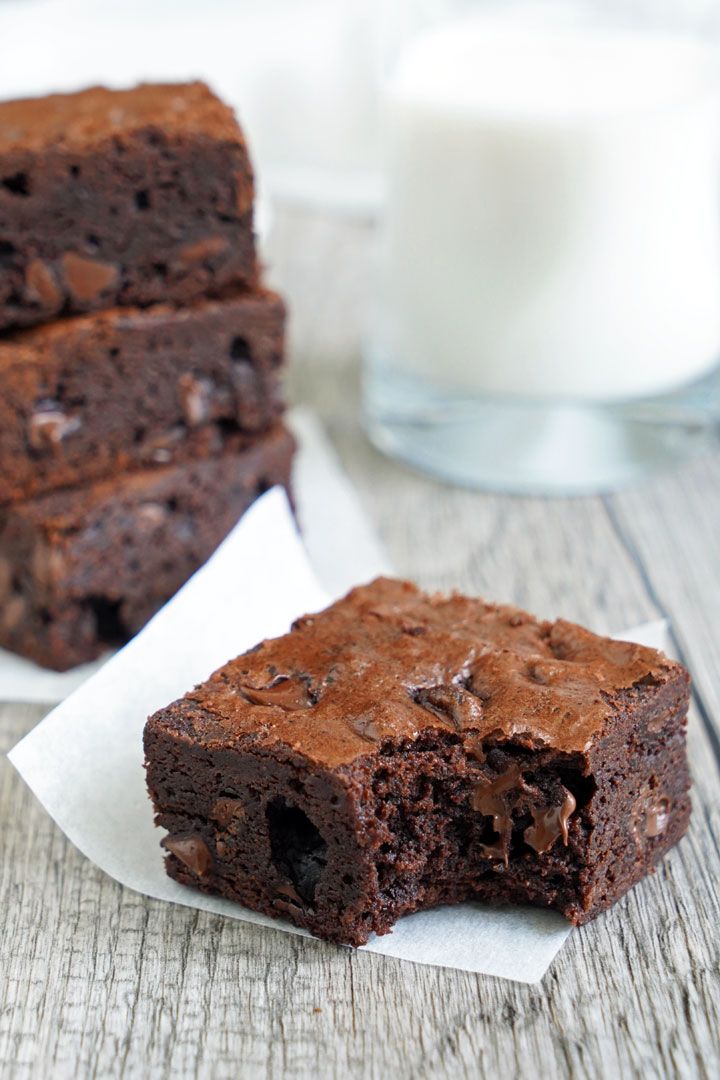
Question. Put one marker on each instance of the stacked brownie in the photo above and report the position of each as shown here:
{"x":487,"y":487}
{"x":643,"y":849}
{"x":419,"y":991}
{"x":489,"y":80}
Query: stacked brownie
{"x":140,"y":359}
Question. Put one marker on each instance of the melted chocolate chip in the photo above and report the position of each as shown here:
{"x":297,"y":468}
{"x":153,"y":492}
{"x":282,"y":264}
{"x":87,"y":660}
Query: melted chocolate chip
{"x":650,"y":816}
{"x":192,"y":851}
{"x":549,"y":823}
{"x":450,"y":703}
{"x":473,"y":746}
{"x":489,"y":798}
{"x":285,"y":692}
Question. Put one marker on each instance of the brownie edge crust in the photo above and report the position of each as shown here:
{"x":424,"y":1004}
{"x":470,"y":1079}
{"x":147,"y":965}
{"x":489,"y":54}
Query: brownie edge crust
{"x":401,"y":750}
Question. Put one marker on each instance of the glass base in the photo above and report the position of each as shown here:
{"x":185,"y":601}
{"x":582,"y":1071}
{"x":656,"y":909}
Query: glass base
{"x":536,"y":447}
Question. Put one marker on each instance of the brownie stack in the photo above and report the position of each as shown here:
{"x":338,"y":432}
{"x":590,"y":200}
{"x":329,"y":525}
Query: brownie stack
{"x":140,"y":359}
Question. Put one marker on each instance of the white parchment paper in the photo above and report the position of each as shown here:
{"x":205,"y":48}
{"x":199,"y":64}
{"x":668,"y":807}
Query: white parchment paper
{"x":84,"y":760}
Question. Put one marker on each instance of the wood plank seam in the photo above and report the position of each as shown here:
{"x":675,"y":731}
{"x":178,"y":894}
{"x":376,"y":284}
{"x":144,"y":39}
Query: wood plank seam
{"x":703,"y":711}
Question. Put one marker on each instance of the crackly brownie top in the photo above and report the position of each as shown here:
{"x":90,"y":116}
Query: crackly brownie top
{"x":388,"y":662}
{"x":82,"y":120}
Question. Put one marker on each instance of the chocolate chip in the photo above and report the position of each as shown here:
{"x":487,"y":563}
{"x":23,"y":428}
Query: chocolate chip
{"x":549,"y":823}
{"x":226,"y":810}
{"x":87,"y":278}
{"x":41,"y":286}
{"x":491,"y":797}
{"x":285,"y":691}
{"x":190,"y":850}
{"x":450,"y":703}
{"x":210,"y":247}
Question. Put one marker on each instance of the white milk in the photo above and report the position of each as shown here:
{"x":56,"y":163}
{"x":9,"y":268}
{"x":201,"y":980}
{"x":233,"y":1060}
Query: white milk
{"x":553,"y":211}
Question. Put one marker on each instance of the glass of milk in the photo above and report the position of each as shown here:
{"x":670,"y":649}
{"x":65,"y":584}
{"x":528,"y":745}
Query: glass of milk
{"x":549,"y":311}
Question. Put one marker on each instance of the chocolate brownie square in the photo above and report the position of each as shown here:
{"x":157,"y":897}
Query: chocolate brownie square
{"x":401,"y":750}
{"x":84,"y":569}
{"x":87,"y":397}
{"x":111,"y":197}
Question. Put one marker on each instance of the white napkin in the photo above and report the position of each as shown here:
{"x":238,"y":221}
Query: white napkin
{"x":84,"y":760}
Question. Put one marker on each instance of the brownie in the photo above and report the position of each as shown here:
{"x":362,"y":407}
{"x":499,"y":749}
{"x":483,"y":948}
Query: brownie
{"x":112,"y":197}
{"x":84,"y":569}
{"x":90,"y":396}
{"x":402,"y":750}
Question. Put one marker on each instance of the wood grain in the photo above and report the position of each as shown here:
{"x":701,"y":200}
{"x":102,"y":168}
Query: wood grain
{"x":97,"y":981}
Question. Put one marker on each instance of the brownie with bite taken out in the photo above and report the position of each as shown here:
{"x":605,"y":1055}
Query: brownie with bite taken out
{"x":401,"y":750}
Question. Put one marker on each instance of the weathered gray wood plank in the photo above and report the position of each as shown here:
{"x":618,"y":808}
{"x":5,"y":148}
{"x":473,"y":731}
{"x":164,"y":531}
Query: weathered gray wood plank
{"x":672,"y":530}
{"x":97,"y":981}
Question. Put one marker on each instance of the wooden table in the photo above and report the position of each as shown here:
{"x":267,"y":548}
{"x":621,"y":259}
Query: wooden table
{"x":98,"y":981}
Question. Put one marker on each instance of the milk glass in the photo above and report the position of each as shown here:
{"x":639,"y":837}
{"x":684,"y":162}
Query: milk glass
{"x":549,"y":304}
